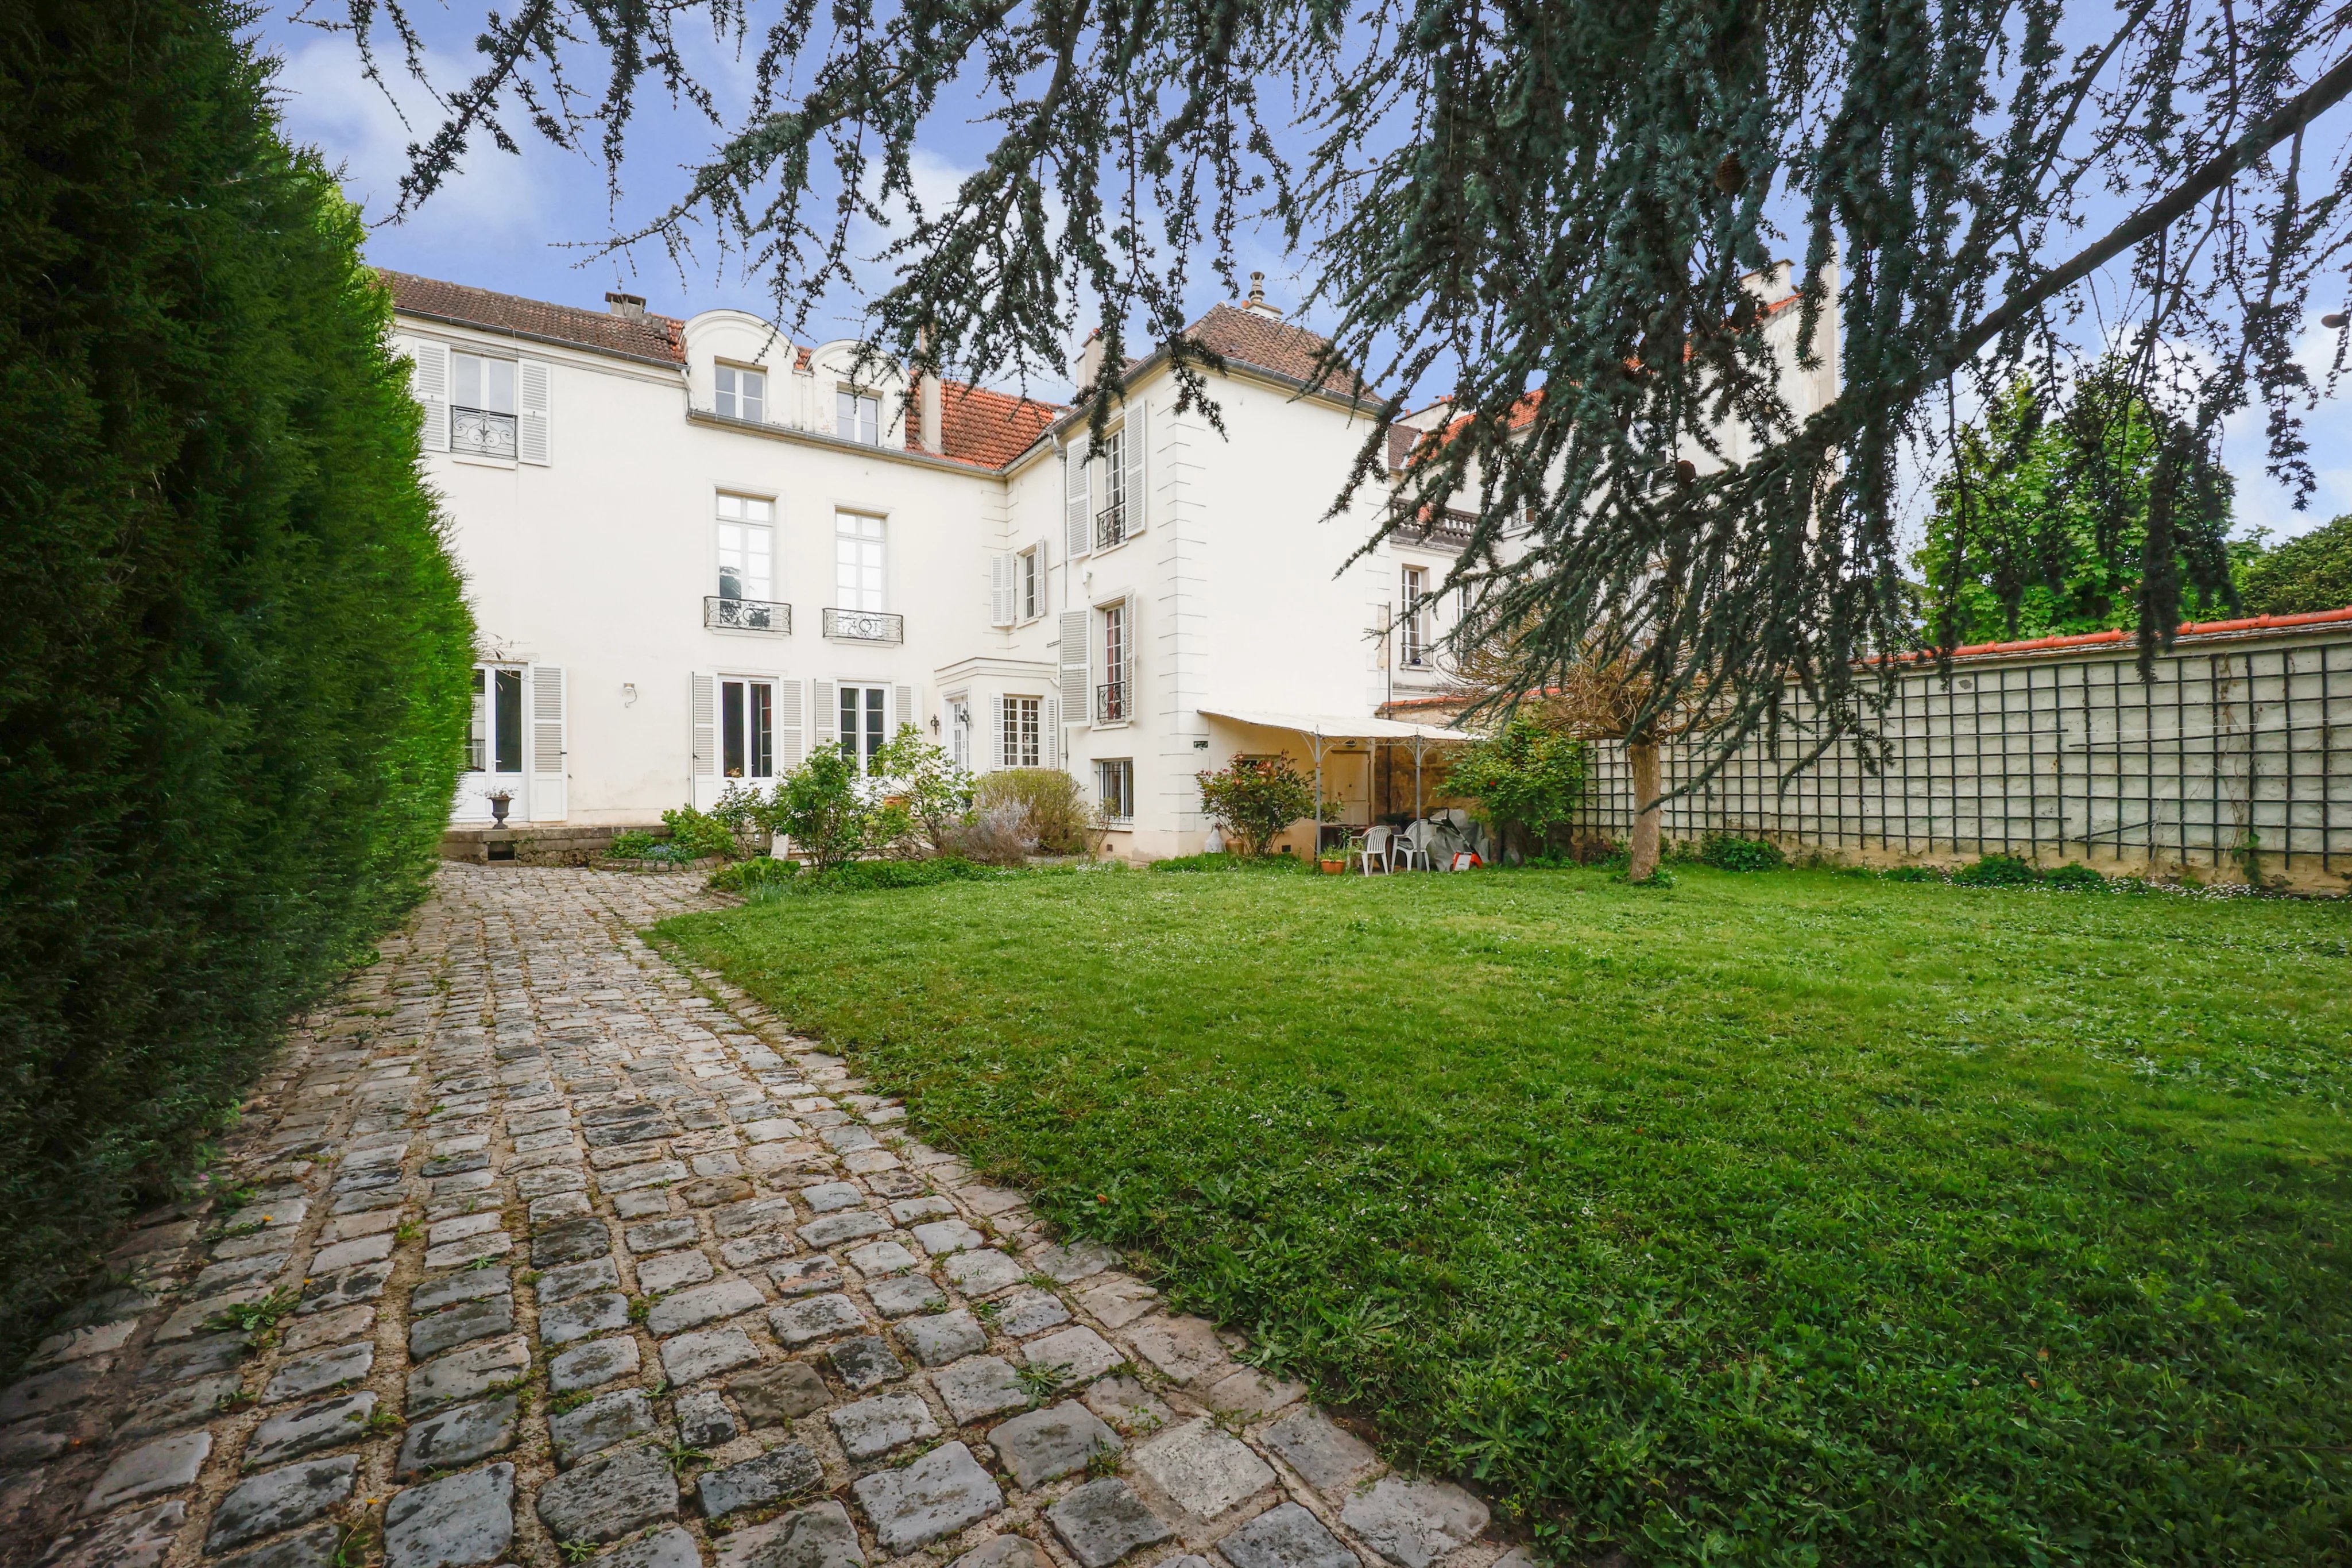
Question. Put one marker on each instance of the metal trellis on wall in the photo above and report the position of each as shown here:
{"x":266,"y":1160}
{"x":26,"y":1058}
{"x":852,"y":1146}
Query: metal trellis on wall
{"x":2240,"y":744}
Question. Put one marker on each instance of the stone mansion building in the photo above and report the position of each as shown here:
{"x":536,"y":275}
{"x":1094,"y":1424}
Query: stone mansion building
{"x":696,"y":550}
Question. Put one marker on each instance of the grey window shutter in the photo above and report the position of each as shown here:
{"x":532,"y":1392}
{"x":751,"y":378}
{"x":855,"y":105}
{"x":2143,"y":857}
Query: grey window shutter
{"x":533,"y":442}
{"x":547,"y":749}
{"x":1003,"y":583}
{"x":789,"y":722}
{"x":1076,"y":636}
{"x":431,"y":382}
{"x":1077,"y":516}
{"x":1138,"y":499}
{"x":705,"y":725}
{"x":825,"y":699}
{"x":902,"y":708}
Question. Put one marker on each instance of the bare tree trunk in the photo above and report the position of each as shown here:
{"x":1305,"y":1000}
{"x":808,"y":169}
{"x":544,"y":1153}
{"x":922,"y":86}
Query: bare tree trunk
{"x":1644,"y":756}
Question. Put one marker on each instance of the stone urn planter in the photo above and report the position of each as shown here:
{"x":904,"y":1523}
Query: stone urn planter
{"x":498,"y":804}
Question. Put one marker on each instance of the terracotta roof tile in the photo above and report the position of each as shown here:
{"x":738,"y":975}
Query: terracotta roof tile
{"x":1247,"y":338}
{"x":987,"y":429}
{"x":648,"y":337}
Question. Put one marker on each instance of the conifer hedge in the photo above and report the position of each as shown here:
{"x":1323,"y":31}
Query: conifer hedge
{"x":233,"y":646}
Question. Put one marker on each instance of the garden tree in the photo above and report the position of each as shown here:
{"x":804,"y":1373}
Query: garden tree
{"x":1525,"y":775}
{"x":1253,"y":799}
{"x":820,"y":807}
{"x":922,"y":777}
{"x":1494,"y":197}
{"x":2040,"y":522}
{"x":2313,"y":572}
{"x":233,"y":653}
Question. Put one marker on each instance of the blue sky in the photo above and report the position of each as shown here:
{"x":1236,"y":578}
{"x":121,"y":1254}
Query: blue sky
{"x":518,"y":223}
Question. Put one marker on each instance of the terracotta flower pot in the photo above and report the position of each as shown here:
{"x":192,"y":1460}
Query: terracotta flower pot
{"x":1333,"y":868}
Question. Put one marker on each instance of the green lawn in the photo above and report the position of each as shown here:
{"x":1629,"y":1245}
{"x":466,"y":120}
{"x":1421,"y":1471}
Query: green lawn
{"x":1787,"y":1218}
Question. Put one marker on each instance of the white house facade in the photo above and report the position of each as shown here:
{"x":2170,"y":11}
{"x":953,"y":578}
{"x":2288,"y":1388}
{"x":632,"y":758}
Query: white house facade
{"x":696,"y":550}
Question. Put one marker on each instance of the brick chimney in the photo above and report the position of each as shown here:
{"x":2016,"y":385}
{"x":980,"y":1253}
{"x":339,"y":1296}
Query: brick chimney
{"x":926,"y":406}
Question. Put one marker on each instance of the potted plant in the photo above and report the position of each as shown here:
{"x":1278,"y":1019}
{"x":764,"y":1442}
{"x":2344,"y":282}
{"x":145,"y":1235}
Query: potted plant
{"x":1335,"y":859}
{"x":500,"y":800}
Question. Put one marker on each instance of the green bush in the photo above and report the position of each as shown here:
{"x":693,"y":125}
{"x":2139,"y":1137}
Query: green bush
{"x":872,"y":876}
{"x":818,"y":807}
{"x":1231,"y":862}
{"x":1912,"y":873}
{"x":233,"y":653}
{"x":2081,"y":876}
{"x":1728,"y":851}
{"x":698,"y":835}
{"x":1057,"y":810}
{"x":758,"y":872}
{"x":1253,"y":800}
{"x":1525,"y":776}
{"x":1997,"y":870}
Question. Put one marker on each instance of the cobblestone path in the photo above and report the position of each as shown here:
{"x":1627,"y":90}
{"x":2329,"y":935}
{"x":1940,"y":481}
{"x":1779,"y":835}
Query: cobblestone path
{"x":545,"y":1252}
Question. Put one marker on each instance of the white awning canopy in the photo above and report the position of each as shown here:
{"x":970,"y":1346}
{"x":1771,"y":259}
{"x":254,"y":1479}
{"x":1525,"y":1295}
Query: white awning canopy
{"x":1341,"y":726}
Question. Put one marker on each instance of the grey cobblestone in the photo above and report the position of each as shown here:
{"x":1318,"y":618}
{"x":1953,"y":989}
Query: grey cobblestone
{"x":558,"y":1204}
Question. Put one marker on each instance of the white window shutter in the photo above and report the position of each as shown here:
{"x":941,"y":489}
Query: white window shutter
{"x":1003,"y":583}
{"x":430,"y":381}
{"x":826,"y":699}
{"x":1130,"y":618}
{"x":997,"y":758}
{"x":1138,"y":499}
{"x":1077,"y":516}
{"x":704,"y":703}
{"x":789,"y":722}
{"x":532,"y":438}
{"x":547,"y":771}
{"x":1049,"y":747}
{"x":1044,"y":582}
{"x":1077,"y":634}
{"x":902,"y":708}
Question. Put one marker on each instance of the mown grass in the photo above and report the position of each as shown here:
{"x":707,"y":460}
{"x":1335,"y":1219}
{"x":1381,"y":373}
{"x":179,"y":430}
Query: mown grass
{"x":1788,"y":1218}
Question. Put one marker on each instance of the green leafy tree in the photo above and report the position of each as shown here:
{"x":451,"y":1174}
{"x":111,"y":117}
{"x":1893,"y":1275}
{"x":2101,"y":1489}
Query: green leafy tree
{"x":1587,"y":200}
{"x":234,"y":653}
{"x":1525,"y":776}
{"x":822,"y":808}
{"x":925,"y":780}
{"x":2044,"y":520}
{"x":1255,"y":799}
{"x":2302,"y":575}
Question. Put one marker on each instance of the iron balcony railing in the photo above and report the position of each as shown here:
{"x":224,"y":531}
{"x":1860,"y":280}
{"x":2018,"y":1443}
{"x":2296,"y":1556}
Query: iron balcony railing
{"x":1111,"y":703}
{"x":1110,"y":525}
{"x":865,"y":626}
{"x":480,"y":431}
{"x":747,"y":615}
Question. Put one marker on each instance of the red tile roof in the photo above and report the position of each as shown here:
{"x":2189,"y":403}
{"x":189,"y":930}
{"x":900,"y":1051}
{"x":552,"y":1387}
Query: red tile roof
{"x":1248,"y":338}
{"x":647,"y":336}
{"x":988,"y":429}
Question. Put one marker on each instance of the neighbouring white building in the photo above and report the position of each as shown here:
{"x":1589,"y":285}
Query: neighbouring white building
{"x":696,"y":550}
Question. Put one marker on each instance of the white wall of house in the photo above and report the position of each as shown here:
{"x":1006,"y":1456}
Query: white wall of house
{"x":593,"y":558}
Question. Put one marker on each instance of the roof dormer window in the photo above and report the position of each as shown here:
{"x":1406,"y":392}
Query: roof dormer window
{"x":743,"y":394}
{"x":858,"y":417}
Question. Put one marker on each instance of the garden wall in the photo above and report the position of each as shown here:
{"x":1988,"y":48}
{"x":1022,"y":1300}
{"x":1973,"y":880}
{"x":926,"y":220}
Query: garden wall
{"x":2057,"y":752}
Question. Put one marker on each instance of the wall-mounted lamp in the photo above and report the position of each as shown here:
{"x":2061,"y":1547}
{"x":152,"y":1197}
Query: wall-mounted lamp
{"x":935,"y":723}
{"x":628,"y":694}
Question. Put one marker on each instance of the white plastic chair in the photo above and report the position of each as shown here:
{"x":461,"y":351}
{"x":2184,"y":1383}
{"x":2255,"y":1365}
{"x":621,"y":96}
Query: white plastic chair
{"x":1412,"y":844}
{"x":1376,"y":847}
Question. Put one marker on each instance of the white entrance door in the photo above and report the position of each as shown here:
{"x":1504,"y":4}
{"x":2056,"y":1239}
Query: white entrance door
{"x":494,"y":748}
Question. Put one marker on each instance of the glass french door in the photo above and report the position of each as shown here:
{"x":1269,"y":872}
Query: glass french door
{"x":493,"y":746}
{"x":863,"y":716}
{"x":747,"y":728}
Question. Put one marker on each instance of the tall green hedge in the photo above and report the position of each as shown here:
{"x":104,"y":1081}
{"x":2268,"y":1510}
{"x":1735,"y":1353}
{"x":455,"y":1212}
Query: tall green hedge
{"x":233,"y":646}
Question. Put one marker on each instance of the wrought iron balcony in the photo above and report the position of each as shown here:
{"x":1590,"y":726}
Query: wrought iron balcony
{"x":1111,"y":703}
{"x":480,"y":431}
{"x":1110,"y":525}
{"x":865,"y":626}
{"x":727,"y":614}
